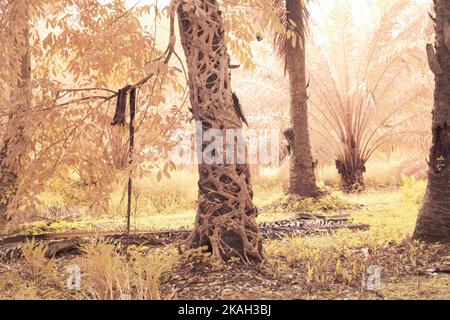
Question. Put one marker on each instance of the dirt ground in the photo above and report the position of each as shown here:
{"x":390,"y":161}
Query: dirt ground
{"x":197,"y":278}
{"x":237,"y":281}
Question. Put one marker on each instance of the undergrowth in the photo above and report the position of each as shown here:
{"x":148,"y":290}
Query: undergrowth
{"x":106,"y":274}
{"x":109,"y":275}
{"x":37,"y":277}
{"x":329,"y":202}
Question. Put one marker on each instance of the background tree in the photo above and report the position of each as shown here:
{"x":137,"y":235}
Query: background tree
{"x":226,"y":215}
{"x":78,"y":65}
{"x":433,"y":223}
{"x":291,"y":47}
{"x":367,"y":80}
{"x":18,"y":84}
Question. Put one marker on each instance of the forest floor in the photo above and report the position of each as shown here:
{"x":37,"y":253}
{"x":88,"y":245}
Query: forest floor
{"x":332,"y":265}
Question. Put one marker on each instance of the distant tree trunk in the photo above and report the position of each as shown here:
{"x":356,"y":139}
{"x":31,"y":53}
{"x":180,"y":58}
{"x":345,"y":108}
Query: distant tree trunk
{"x":351,"y":168}
{"x":14,"y":141}
{"x":433,"y":223}
{"x":302,"y":181}
{"x":352,"y":179}
{"x":226,"y":215}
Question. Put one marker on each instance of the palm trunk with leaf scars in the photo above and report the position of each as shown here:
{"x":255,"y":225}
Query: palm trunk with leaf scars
{"x":302,"y":180}
{"x":351,"y":167}
{"x":226,"y":216}
{"x":13,"y":142}
{"x":433,"y":223}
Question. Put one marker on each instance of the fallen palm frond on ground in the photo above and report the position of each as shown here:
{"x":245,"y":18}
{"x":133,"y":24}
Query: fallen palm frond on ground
{"x":56,"y":243}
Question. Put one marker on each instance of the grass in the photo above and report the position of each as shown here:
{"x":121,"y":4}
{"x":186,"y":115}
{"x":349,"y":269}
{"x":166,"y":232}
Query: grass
{"x":416,"y":287}
{"x":69,"y":199}
{"x":171,"y":203}
{"x":342,"y":257}
{"x":391,"y":215}
{"x":36,"y":278}
{"x":337,"y":261}
{"x":328,"y":266}
{"x":106,"y":274}
{"x":110,"y":275}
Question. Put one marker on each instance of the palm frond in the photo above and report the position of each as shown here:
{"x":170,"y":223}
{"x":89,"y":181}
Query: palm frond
{"x":291,"y":29}
{"x":375,"y":71}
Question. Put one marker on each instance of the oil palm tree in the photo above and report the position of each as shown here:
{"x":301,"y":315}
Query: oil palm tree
{"x":292,"y":49}
{"x":433,"y":223}
{"x":367,"y":80}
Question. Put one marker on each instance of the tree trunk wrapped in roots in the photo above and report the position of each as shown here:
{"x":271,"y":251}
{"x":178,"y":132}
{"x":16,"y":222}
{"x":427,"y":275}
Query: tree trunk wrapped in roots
{"x":226,"y":215}
{"x":433,"y":223}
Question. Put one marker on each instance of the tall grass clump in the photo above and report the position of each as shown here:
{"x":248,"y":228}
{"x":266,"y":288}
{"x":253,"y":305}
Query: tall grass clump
{"x":108,"y":275}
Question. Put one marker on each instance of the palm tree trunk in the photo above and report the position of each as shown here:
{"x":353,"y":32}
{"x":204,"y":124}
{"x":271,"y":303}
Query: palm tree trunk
{"x":226,"y":216}
{"x":433,"y":223}
{"x":351,"y":167}
{"x":302,"y":181}
{"x":14,"y":141}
